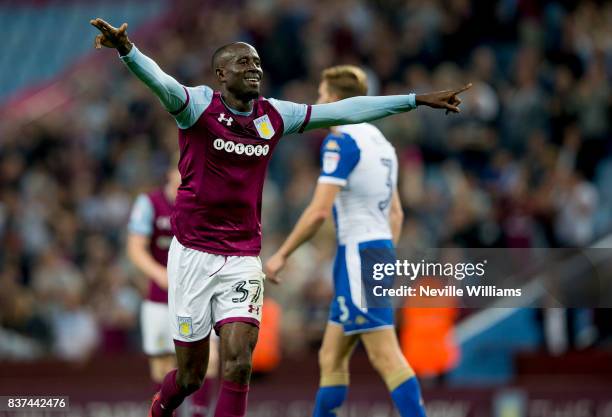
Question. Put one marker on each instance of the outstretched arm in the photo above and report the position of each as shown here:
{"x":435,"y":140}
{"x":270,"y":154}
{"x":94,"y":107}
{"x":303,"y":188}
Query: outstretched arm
{"x":366,"y":108}
{"x":319,"y":209}
{"x":170,"y":92}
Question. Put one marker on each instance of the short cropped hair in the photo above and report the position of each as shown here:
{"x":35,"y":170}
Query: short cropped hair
{"x":345,"y":81}
{"x":222,"y":50}
{"x":220,"y":53}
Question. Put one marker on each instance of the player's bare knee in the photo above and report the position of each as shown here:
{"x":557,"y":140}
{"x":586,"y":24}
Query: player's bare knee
{"x":189,"y":378}
{"x":237,"y":343}
{"x":189,"y":381}
{"x":326,"y":361}
{"x":383,"y":360}
{"x":237,"y":368}
{"x":330,"y":361}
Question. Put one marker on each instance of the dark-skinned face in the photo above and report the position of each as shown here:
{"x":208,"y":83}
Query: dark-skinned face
{"x":241,"y":72}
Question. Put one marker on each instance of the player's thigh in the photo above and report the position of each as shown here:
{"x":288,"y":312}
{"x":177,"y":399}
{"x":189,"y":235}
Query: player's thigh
{"x":384,"y":350}
{"x":160,"y":365}
{"x":190,"y":291}
{"x":236,"y":308}
{"x":192,"y":362}
{"x":238,"y":340}
{"x":238,"y":292}
{"x":336,"y":349}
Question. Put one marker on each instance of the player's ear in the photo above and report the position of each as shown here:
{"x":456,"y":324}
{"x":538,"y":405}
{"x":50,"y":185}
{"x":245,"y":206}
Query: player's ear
{"x":220,"y":73}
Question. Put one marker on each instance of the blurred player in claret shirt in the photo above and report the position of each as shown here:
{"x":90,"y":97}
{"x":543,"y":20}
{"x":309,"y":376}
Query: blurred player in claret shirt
{"x":358,"y":181}
{"x":149,"y":237}
{"x":226,"y":140}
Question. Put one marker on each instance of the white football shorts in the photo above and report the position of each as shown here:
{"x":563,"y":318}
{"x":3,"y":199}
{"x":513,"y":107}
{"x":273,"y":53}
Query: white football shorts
{"x":206,"y":291}
{"x":156,"y":331}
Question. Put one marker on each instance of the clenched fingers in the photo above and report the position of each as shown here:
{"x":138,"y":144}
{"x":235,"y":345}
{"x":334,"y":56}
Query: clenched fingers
{"x":98,"y":41}
{"x":451,"y":108}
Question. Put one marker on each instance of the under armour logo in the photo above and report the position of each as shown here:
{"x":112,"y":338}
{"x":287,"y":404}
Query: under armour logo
{"x":253,"y":308}
{"x":227,"y":121}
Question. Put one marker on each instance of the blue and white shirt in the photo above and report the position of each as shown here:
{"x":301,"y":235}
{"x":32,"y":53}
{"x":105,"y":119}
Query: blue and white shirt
{"x":363,"y":162}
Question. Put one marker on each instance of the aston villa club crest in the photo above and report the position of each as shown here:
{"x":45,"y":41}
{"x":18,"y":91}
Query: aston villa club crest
{"x":185,"y":326}
{"x":264,"y":127}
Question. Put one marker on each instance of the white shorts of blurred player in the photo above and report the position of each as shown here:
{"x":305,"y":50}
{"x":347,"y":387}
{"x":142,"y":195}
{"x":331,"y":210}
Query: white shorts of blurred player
{"x":156,"y":331}
{"x":206,"y":291}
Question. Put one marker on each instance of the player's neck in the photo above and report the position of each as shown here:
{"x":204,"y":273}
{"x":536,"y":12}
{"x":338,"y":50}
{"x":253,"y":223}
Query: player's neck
{"x":235,"y":103}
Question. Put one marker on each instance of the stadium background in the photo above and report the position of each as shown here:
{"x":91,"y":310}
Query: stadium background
{"x":528,"y":163}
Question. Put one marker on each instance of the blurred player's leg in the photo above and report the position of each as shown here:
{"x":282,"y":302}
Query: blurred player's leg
{"x":159,"y":366}
{"x":237,"y":343}
{"x":157,"y":340}
{"x":334,"y":357}
{"x":192,"y":360}
{"x":201,"y":399}
{"x":386,"y":357}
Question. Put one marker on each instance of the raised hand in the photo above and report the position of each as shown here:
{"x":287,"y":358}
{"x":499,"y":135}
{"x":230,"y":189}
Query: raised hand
{"x":446,"y":99}
{"x":112,"y":37}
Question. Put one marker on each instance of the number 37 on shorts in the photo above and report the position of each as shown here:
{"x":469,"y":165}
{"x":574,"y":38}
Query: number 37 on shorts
{"x":206,"y":291}
{"x":241,"y":287}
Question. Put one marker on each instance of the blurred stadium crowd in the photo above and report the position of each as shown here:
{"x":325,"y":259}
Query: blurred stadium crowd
{"x":528,"y":162}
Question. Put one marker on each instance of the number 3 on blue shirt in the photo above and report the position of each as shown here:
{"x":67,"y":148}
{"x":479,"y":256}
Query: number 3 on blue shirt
{"x":383,"y":204}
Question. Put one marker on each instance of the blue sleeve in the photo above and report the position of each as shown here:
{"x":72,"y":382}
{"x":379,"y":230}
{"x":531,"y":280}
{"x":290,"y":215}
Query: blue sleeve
{"x":295,"y":116}
{"x":358,"y":110}
{"x":339,"y":156}
{"x":142,"y":216}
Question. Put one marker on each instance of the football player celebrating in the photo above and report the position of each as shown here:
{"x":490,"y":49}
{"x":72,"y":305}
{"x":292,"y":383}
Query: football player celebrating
{"x":226,"y":140}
